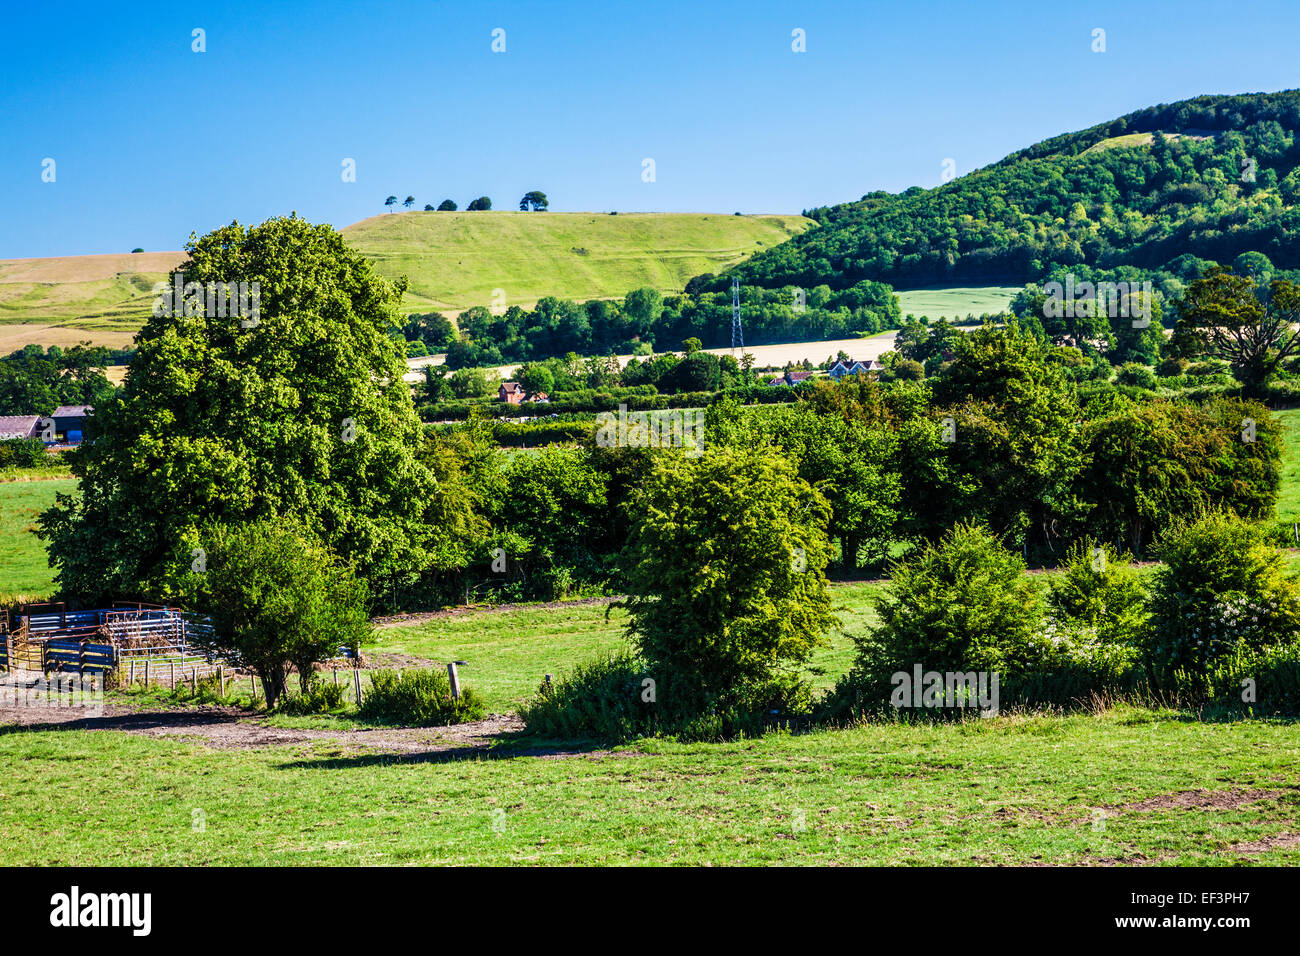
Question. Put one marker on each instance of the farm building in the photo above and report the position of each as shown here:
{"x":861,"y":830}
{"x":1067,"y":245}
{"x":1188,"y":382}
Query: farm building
{"x":70,"y":421}
{"x":19,"y":426}
{"x":514,"y":394}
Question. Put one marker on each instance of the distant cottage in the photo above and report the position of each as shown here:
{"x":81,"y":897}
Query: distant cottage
{"x":513,"y":393}
{"x":853,"y":367}
{"x":791,"y":378}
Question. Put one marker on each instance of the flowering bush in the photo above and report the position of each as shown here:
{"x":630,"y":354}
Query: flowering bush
{"x":1222,"y":592}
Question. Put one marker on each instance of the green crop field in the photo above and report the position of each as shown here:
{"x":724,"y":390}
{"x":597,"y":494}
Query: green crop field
{"x":457,"y":259}
{"x":23,"y":568}
{"x":953,"y":302}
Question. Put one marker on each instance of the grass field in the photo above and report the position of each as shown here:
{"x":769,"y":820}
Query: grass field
{"x":510,"y":651}
{"x":456,"y":260}
{"x":1126,"y":786}
{"x":68,"y":299}
{"x":1288,"y":496}
{"x":953,"y":302}
{"x":23,"y":569}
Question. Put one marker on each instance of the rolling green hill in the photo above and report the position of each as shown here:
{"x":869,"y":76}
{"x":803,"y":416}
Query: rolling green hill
{"x":453,"y":260}
{"x":1163,"y":189}
{"x":456,"y":259}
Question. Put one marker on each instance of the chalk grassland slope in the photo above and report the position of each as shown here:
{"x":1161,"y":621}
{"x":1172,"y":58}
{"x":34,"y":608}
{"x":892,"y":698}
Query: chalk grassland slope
{"x":69,"y":299}
{"x":455,"y":260}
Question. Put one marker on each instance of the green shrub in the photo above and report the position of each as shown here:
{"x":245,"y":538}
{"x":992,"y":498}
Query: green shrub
{"x":1098,"y":589}
{"x":420,"y":698}
{"x":1221,"y":593}
{"x":22,"y":453}
{"x":963,"y":604}
{"x":1172,"y":368}
{"x":599,"y":700}
{"x":1137,"y":375}
{"x":1264,"y":683}
{"x":726,"y":576}
{"x":321,"y":697}
{"x":618,"y":698}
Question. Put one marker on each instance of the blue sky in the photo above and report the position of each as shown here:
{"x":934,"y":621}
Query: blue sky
{"x":153,"y":141}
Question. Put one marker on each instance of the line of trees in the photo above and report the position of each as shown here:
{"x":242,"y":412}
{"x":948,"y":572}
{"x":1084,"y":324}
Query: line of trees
{"x":533,"y":201}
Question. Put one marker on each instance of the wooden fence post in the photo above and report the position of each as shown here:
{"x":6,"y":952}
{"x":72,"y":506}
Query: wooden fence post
{"x":146,"y":670}
{"x":454,"y":678}
{"x":356,"y":681}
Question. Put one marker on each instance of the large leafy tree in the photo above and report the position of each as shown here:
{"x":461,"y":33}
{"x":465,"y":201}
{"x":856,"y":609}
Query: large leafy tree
{"x":300,"y":412}
{"x":34,"y":381}
{"x":1012,"y":450}
{"x":1231,"y":317}
{"x":1148,"y":464}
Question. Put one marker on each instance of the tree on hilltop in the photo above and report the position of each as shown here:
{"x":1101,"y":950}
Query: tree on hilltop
{"x":534,"y":201}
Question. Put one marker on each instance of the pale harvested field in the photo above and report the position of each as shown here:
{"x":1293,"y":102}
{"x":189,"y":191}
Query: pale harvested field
{"x":87,"y":268}
{"x":764,"y":355}
{"x":16,"y":335}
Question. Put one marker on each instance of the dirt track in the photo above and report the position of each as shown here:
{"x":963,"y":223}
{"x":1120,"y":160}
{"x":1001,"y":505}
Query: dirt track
{"x":232,"y":728}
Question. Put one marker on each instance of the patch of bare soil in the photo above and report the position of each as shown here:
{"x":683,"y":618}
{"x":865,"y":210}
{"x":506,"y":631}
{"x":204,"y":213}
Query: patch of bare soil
{"x":232,"y":728}
{"x":420,"y":617}
{"x":1201,"y":799}
{"x":229,"y":728}
{"x":1277,"y":841}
